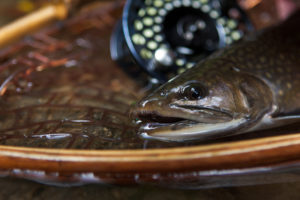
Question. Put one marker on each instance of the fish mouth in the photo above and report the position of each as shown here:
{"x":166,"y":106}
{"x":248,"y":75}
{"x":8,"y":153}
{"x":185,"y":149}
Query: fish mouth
{"x":182,"y":122}
{"x":155,"y":117}
{"x":179,"y":113}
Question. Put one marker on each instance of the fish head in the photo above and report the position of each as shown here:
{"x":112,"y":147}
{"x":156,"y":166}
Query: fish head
{"x":207,"y":101}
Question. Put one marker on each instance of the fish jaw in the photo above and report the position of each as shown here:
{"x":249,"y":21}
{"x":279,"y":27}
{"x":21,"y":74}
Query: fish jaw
{"x":174,"y":113}
{"x":178,"y":124}
{"x":199,"y":131}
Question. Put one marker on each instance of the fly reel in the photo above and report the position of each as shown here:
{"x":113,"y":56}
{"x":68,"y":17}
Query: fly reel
{"x":166,"y":37}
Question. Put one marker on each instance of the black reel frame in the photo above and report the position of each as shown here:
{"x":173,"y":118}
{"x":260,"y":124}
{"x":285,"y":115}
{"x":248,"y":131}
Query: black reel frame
{"x":166,"y":37}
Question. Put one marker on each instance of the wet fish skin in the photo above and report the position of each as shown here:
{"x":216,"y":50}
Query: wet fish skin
{"x":252,"y":85}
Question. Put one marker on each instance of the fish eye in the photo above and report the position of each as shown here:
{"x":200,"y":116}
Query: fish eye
{"x":193,"y":92}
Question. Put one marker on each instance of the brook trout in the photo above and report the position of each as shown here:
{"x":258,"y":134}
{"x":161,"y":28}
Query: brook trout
{"x":252,"y":85}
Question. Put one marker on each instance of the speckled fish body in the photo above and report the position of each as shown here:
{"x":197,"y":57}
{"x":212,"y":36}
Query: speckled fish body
{"x":252,"y":85}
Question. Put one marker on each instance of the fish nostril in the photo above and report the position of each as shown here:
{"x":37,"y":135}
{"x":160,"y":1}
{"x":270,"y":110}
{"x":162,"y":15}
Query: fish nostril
{"x":144,"y":103}
{"x":149,"y":102}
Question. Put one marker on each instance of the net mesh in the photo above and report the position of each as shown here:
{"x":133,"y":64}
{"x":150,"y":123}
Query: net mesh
{"x":60,"y":89}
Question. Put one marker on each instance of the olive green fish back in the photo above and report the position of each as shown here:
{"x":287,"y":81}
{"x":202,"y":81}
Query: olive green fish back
{"x":274,"y":56}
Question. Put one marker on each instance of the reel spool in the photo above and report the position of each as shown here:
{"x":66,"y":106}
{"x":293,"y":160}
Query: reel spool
{"x":166,"y":37}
